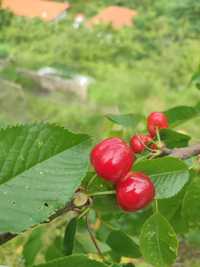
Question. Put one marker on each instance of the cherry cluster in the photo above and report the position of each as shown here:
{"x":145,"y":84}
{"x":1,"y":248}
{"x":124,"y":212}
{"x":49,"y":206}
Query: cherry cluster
{"x":113,"y":159}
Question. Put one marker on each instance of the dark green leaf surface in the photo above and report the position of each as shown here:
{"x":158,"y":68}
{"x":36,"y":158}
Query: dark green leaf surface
{"x":69,"y":236}
{"x":196,"y":79}
{"x":41,"y":167}
{"x":73,"y":261}
{"x":158,"y":242}
{"x":174,"y":139}
{"x":180,"y":114}
{"x":55,"y":249}
{"x":168,"y":174}
{"x":168,"y":207}
{"x":191,"y":203}
{"x":124,"y":265}
{"x":179,"y":223}
{"x":85,"y":244}
{"x":127,"y":120}
{"x":123,"y":245}
{"x":32,"y":246}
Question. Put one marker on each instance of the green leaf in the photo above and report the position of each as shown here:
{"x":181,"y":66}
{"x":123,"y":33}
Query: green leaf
{"x":169,"y":206}
{"x":85,"y":244}
{"x":124,"y":265}
{"x":41,"y":167}
{"x":194,"y":237}
{"x":32,"y":246}
{"x":123,"y":245}
{"x":69,"y":236}
{"x":168,"y":174}
{"x":179,"y":223}
{"x":55,"y":249}
{"x":158,"y":241}
{"x":131,"y":223}
{"x":196,"y":79}
{"x":128,"y":265}
{"x":127,"y":120}
{"x":174,"y":139}
{"x":191,"y":203}
{"x":73,"y":261}
{"x":180,"y":114}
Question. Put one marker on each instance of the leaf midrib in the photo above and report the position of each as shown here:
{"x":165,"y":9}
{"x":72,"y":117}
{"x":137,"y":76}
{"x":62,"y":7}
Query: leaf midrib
{"x":169,"y":172}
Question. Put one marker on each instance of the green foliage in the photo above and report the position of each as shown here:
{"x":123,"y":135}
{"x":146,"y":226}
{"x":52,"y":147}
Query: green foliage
{"x":181,"y":114}
{"x":173,"y":139}
{"x":158,"y":241}
{"x":33,"y":246}
{"x":127,"y":120}
{"x":41,"y":167}
{"x":68,"y":241}
{"x":5,"y":18}
{"x":191,"y":203}
{"x":55,"y":250}
{"x":71,"y":261}
{"x":168,"y":174}
{"x":123,"y":245}
{"x":188,"y":12}
{"x":196,"y":78}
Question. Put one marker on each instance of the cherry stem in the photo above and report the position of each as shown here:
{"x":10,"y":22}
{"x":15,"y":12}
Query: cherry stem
{"x":158,"y":135}
{"x":156,"y":206}
{"x":103,"y":193}
{"x":94,"y":239}
{"x":156,"y":154}
{"x":83,"y":213}
{"x":143,"y":143}
{"x":92,"y":180}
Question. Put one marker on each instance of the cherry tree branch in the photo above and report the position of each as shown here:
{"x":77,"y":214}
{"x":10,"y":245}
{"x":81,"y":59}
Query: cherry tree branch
{"x":181,"y":153}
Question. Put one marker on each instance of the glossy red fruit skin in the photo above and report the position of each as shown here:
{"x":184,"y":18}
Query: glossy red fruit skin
{"x":135,"y":191}
{"x":112,"y":159}
{"x":138,"y":142}
{"x":156,"y":120}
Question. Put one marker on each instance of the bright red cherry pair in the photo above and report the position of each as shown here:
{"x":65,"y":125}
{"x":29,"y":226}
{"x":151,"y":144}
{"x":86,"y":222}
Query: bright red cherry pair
{"x":112,"y":160}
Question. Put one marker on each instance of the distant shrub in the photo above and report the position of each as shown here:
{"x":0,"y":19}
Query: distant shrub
{"x":5,"y":18}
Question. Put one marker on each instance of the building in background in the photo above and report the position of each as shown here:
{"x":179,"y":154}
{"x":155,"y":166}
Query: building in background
{"x":118,"y":17}
{"x":45,"y":10}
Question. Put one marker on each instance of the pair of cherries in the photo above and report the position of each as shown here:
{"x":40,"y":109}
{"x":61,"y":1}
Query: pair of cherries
{"x":113,"y":159}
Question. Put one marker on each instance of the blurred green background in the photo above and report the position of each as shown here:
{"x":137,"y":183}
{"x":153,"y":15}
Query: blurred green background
{"x":143,"y":68}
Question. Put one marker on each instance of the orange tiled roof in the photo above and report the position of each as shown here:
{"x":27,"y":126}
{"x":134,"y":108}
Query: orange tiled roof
{"x":46,"y":10}
{"x":115,"y":15}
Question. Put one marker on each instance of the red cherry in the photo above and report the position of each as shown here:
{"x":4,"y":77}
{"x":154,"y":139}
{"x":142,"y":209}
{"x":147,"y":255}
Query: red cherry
{"x":156,"y":120}
{"x":138,"y":142}
{"x":112,"y":159}
{"x":135,"y":191}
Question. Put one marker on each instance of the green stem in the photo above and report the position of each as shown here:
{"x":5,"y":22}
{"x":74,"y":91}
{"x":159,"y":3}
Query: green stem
{"x":83,"y":213}
{"x":156,"y":206}
{"x":94,"y":239}
{"x":92,"y":180}
{"x":158,"y":135}
{"x":146,"y":147}
{"x":103,"y":193}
